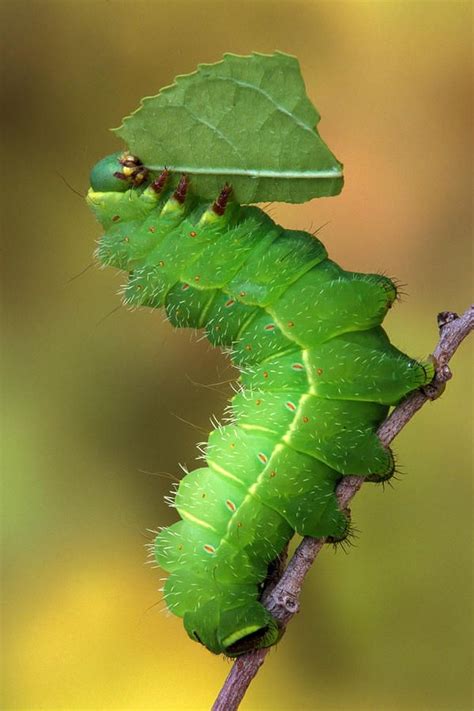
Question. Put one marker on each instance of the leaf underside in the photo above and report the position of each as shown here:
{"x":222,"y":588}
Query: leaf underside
{"x":245,"y":120}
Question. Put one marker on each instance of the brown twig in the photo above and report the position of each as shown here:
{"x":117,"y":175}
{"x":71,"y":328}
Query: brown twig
{"x":282,"y":598}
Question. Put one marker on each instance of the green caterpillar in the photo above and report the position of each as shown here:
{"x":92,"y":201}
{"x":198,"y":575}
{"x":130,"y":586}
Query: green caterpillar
{"x":318,"y":375}
{"x":317,"y":371}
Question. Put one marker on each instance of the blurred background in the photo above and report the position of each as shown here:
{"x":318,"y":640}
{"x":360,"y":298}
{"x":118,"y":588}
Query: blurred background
{"x":101,"y":404}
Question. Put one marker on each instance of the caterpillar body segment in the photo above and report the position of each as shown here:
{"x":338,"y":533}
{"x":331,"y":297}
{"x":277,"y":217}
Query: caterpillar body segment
{"x":318,"y":375}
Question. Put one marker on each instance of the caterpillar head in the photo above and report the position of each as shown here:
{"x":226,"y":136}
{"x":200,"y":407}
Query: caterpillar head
{"x":232,"y":631}
{"x":117,"y":172}
{"x":118,"y":192}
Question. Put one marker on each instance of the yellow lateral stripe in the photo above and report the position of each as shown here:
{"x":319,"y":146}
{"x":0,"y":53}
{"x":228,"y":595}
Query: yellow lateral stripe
{"x":224,"y":472}
{"x":306,"y":355}
{"x":253,"y":489}
{"x":260,"y":428}
{"x":199,"y":522}
{"x":284,"y":330}
{"x":292,"y":426}
{"x":238,"y":634}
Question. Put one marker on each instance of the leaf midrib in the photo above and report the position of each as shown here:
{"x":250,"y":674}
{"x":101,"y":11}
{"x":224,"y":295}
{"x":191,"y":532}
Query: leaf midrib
{"x":251,"y":172}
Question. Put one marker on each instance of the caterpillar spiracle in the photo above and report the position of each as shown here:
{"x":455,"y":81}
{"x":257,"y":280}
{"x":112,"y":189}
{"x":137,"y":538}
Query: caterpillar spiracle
{"x":318,"y":374}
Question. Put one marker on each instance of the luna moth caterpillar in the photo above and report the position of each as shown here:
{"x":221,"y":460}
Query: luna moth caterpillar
{"x":318,"y":373}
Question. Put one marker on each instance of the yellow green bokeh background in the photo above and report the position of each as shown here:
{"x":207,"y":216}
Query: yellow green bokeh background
{"x":95,"y":400}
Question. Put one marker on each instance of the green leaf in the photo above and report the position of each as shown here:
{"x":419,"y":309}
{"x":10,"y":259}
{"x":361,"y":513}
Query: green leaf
{"x":246,"y":121}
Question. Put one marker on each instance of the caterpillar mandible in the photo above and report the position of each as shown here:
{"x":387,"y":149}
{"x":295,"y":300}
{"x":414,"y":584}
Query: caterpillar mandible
{"x":318,"y":374}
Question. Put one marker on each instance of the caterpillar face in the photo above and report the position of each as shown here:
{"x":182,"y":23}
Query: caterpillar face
{"x":318,"y":375}
{"x":117,"y":172}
